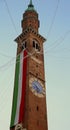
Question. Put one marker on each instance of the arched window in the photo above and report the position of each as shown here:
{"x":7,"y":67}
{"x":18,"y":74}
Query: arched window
{"x":24,"y":44}
{"x":33,"y":43}
{"x":36,"y":45}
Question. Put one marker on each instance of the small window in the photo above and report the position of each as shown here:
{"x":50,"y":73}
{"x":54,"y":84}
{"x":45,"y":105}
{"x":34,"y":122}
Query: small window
{"x":24,"y":45}
{"x":37,"y":46}
{"x":37,"y":122}
{"x":36,"y":65}
{"x":37,"y":108}
{"x":33,"y":43}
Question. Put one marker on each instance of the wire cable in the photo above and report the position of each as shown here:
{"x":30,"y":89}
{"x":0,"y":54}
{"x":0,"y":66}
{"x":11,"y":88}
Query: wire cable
{"x":60,"y":57}
{"x":60,"y":40}
{"x":9,"y":63}
{"x":5,"y":55}
{"x":53,"y":19}
{"x":5,"y":96}
{"x":11,"y":18}
{"x":52,"y":47}
{"x":8,"y":10}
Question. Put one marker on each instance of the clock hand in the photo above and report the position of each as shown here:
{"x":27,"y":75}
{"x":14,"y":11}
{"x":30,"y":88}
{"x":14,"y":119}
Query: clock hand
{"x":36,"y":87}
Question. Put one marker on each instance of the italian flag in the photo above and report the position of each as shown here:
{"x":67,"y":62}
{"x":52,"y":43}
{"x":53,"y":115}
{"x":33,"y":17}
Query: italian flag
{"x":19,"y":89}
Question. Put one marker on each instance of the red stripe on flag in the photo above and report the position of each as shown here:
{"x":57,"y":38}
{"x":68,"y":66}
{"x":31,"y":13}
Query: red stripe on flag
{"x":22,"y":104}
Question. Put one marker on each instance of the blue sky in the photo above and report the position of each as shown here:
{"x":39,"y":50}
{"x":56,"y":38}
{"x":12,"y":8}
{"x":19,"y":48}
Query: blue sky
{"x":54,"y":14}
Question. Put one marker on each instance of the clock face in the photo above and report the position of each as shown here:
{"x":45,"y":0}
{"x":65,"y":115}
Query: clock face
{"x":37,"y":87}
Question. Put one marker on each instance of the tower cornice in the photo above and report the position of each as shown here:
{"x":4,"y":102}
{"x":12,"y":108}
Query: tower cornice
{"x":29,"y":32}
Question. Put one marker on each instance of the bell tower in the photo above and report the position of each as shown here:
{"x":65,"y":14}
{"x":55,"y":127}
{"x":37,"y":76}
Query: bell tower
{"x":29,"y":109}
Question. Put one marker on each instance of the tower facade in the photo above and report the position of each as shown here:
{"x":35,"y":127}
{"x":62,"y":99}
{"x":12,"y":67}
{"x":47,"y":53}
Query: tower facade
{"x":29,"y":109}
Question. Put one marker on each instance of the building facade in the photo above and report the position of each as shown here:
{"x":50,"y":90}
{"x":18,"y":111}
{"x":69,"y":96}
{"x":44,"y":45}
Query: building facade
{"x":29,"y":106}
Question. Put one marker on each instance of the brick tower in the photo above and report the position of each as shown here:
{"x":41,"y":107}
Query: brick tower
{"x":29,"y":110}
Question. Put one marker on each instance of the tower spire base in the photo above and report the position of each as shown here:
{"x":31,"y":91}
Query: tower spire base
{"x":30,"y":4}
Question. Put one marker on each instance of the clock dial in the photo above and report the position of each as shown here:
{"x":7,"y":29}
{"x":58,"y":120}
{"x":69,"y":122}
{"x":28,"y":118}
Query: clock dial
{"x":37,"y":87}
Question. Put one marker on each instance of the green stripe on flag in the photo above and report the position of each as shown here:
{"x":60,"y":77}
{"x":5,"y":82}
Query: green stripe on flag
{"x":15,"y":95}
